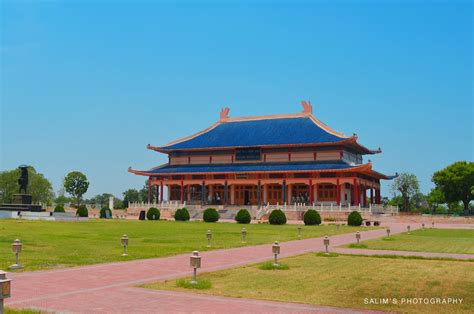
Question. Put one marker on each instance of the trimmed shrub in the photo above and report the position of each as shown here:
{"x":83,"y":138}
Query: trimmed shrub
{"x":82,"y":211}
{"x":153,"y":214}
{"x":354,"y":219}
{"x":210,"y":215}
{"x":181,"y":214}
{"x":59,"y":209}
{"x":243,"y":216}
{"x":103,"y":212}
{"x":311,"y":218}
{"x":277,"y":217}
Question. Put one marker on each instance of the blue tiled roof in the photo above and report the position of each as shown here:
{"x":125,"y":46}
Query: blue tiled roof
{"x":277,"y":131}
{"x":293,"y":166}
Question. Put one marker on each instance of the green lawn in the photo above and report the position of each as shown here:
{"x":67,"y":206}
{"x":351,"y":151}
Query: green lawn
{"x":347,"y":281}
{"x":53,"y":244}
{"x":427,"y":240}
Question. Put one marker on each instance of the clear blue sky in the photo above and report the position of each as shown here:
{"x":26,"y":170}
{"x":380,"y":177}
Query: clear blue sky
{"x":86,"y":85}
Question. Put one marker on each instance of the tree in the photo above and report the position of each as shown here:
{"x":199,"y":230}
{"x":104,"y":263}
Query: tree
{"x":407,"y":185}
{"x":456,"y":182}
{"x":76,"y":184}
{"x":144,"y":193}
{"x":39,"y":187}
{"x":435,"y":198}
{"x":131,"y":195}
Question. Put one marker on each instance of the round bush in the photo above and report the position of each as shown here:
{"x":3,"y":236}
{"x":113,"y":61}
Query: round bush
{"x":354,"y":219}
{"x":153,"y":214}
{"x":277,"y":217}
{"x":59,"y":209}
{"x":181,"y":214}
{"x":311,"y":218}
{"x":243,"y":216}
{"x":210,"y":215}
{"x":103,"y":212}
{"x":82,"y":211}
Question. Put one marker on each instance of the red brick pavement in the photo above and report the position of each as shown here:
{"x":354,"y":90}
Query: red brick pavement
{"x":108,"y":288}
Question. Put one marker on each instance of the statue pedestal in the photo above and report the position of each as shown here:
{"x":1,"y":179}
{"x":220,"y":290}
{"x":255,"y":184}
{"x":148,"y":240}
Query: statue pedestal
{"x":22,"y":202}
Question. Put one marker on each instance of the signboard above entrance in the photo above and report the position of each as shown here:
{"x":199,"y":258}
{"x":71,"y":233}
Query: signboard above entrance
{"x":244,"y":154}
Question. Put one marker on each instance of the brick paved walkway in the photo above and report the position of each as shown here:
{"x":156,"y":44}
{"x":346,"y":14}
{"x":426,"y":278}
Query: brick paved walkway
{"x":108,"y":288}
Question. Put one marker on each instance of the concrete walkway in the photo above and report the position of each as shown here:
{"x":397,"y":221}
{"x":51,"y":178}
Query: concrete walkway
{"x":108,"y":288}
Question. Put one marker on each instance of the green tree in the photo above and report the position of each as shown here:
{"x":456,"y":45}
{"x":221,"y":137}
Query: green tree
{"x":76,"y":184}
{"x":131,"y":195}
{"x":435,"y":198}
{"x":456,"y":182}
{"x":407,"y":185}
{"x":39,"y":187}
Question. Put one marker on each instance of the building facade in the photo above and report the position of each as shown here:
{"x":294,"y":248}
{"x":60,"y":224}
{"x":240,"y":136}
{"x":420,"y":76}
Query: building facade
{"x":273,"y":159}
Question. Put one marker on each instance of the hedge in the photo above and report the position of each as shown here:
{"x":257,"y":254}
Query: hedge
{"x":153,"y":214}
{"x":82,"y":211}
{"x":181,"y":214}
{"x":243,"y":216}
{"x":103,"y":212}
{"x":277,"y":217}
{"x":311,"y":218}
{"x":59,"y":209}
{"x":210,"y":215}
{"x":354,"y":219}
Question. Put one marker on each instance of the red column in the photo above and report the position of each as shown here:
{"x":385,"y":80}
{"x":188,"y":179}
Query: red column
{"x":149,"y":190}
{"x":356,"y":193}
{"x":182,"y":191}
{"x":338,"y":192}
{"x":311,"y":194}
{"x":365,"y":195}
{"x":161,"y":192}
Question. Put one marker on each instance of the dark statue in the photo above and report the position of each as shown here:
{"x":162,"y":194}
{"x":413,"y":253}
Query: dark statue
{"x":23,"y":180}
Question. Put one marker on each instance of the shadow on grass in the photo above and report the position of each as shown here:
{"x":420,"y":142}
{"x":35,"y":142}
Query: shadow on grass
{"x":330,"y":254}
{"x":200,"y":285}
{"x":271,"y":266}
{"x":357,"y":246}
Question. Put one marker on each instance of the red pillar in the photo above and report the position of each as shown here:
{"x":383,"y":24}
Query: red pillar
{"x":356,"y":193}
{"x":182,"y":191}
{"x":149,"y":190}
{"x":161,"y":192}
{"x":338,"y":192}
{"x":311,"y":194}
{"x":365,"y":195}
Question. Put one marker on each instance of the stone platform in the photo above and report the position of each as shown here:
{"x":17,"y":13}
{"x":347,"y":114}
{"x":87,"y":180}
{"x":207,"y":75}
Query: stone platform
{"x":22,"y":202}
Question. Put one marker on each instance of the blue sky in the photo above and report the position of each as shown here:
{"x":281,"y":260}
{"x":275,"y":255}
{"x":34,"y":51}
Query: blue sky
{"x":86,"y":85}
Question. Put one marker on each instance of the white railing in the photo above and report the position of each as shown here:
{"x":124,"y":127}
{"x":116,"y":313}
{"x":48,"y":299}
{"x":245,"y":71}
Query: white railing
{"x":164,"y":204}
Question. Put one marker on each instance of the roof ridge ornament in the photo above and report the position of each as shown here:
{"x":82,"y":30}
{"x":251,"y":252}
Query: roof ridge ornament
{"x":307,"y":107}
{"x":224,"y":115}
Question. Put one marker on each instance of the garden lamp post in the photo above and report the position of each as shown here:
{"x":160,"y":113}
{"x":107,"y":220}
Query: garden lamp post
{"x":358,"y":237}
{"x":195,"y":262}
{"x":209,"y":237}
{"x":276,"y":251}
{"x":124,"y":244}
{"x":326,"y":243}
{"x":5,"y":288}
{"x":16,"y":248}
{"x":408,"y":228}
{"x":244,"y":234}
{"x":299,"y":232}
{"x":388,"y":232}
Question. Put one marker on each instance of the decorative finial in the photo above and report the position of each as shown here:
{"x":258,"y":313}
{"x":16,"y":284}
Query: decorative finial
{"x":225,"y":113}
{"x":307,"y":107}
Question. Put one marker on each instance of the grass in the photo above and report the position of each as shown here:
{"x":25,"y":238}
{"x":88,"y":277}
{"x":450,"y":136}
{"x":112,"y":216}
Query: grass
{"x":200,"y":285}
{"x":56,"y":244}
{"x":349,"y":281}
{"x":22,"y":311}
{"x":426,"y":240}
{"x":271,"y":266}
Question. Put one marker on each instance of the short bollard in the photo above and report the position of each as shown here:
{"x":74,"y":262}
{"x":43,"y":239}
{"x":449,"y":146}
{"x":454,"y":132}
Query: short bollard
{"x":124,"y":244}
{"x":209,"y":237}
{"x":299,"y":232}
{"x":5,"y":288}
{"x":16,"y":248}
{"x":388,"y":232}
{"x":408,"y":228}
{"x":423,"y":225}
{"x":276,"y":251}
{"x":195,"y":262}
{"x":432,"y":224}
{"x":326,"y":244}
{"x":358,"y":237}
{"x":243,"y":232}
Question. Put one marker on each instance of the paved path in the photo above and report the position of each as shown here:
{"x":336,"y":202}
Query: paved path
{"x":108,"y":288}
